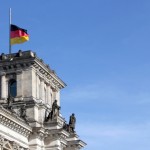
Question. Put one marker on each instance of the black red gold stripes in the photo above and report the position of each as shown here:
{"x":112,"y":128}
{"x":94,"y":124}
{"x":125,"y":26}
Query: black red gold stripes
{"x":18,"y":35}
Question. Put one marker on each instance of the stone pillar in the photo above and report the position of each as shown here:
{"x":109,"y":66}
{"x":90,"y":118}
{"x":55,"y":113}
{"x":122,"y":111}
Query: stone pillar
{"x":36,"y":140}
{"x":37,"y":86}
{"x":33,"y":83}
{"x":3,"y":87}
{"x":57,"y":96}
{"x":41,"y":114}
{"x":48,"y":94}
{"x":52,"y":143}
{"x":45,"y":93}
{"x":42,"y":90}
{"x":19,"y":84}
{"x":56,"y":138}
{"x":51,"y":97}
{"x":27,"y":83}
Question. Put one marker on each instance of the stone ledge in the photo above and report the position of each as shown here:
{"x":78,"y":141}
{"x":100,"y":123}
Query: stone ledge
{"x":14,"y":122}
{"x":76,"y":144}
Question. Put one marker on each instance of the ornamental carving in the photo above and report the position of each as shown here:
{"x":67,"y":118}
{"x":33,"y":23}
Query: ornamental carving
{"x":1,"y":140}
{"x":5,"y":144}
{"x":14,"y":126}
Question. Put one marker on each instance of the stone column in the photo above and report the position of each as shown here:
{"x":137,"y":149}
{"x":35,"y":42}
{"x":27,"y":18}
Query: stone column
{"x":51,"y":96}
{"x":36,"y":140}
{"x":42,"y":90}
{"x":52,"y":143}
{"x":57,"y":96}
{"x":3,"y":86}
{"x":33,"y":83}
{"x":37,"y":87}
{"x":48,"y":94}
{"x":19,"y":84}
{"x":45,"y":93}
{"x":27,"y":83}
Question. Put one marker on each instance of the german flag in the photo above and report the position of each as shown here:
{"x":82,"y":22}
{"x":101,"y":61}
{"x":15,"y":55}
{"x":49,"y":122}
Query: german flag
{"x":18,"y":35}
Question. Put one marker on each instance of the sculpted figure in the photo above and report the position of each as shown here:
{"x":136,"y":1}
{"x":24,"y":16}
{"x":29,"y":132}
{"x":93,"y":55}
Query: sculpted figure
{"x":72,"y":123}
{"x":23,"y":112}
{"x":55,"y":111}
{"x":10,"y":101}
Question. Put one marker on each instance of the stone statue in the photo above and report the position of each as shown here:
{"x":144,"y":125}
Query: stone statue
{"x":55,"y":110}
{"x":72,"y":123}
{"x":54,"y":113}
{"x":10,"y":100}
{"x":23,"y":112}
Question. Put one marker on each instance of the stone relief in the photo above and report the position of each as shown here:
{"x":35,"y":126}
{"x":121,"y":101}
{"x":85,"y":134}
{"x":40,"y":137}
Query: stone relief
{"x":9,"y":145}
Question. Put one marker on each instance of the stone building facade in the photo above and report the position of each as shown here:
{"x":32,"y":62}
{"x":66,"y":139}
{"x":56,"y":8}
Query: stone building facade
{"x":30,"y":116}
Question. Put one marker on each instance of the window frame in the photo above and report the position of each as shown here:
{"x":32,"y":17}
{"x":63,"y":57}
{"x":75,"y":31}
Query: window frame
{"x":12,"y":88}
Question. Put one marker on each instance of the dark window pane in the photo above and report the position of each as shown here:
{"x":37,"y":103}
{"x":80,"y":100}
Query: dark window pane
{"x":13,"y":88}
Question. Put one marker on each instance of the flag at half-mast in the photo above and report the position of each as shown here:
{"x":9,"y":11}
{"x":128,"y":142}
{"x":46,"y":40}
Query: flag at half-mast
{"x":18,"y":35}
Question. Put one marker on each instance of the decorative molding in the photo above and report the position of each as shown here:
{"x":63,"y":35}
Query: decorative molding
{"x":28,"y":60}
{"x":13,"y":122}
{"x":39,"y":132}
{"x":76,"y":144}
{"x":1,"y":140}
{"x":58,"y":134}
{"x":5,"y":143}
{"x":59,"y":121}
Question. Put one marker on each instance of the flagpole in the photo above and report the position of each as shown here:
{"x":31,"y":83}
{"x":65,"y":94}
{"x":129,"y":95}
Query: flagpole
{"x":9,"y":30}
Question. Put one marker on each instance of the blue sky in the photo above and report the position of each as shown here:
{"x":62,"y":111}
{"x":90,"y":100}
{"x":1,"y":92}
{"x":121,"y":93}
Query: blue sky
{"x":101,"y":50}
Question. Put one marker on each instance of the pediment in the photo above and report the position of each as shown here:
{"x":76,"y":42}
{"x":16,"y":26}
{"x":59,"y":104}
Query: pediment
{"x":7,"y":146}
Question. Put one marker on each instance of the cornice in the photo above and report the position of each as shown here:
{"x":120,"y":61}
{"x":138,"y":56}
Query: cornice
{"x":16,"y":146}
{"x":58,"y":134}
{"x":28,"y":60}
{"x":39,"y":132}
{"x":59,"y":121}
{"x":76,"y":144}
{"x":48,"y":73}
{"x":14,"y":122}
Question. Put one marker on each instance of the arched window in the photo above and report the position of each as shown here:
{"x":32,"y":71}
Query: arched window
{"x":12,"y":88}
